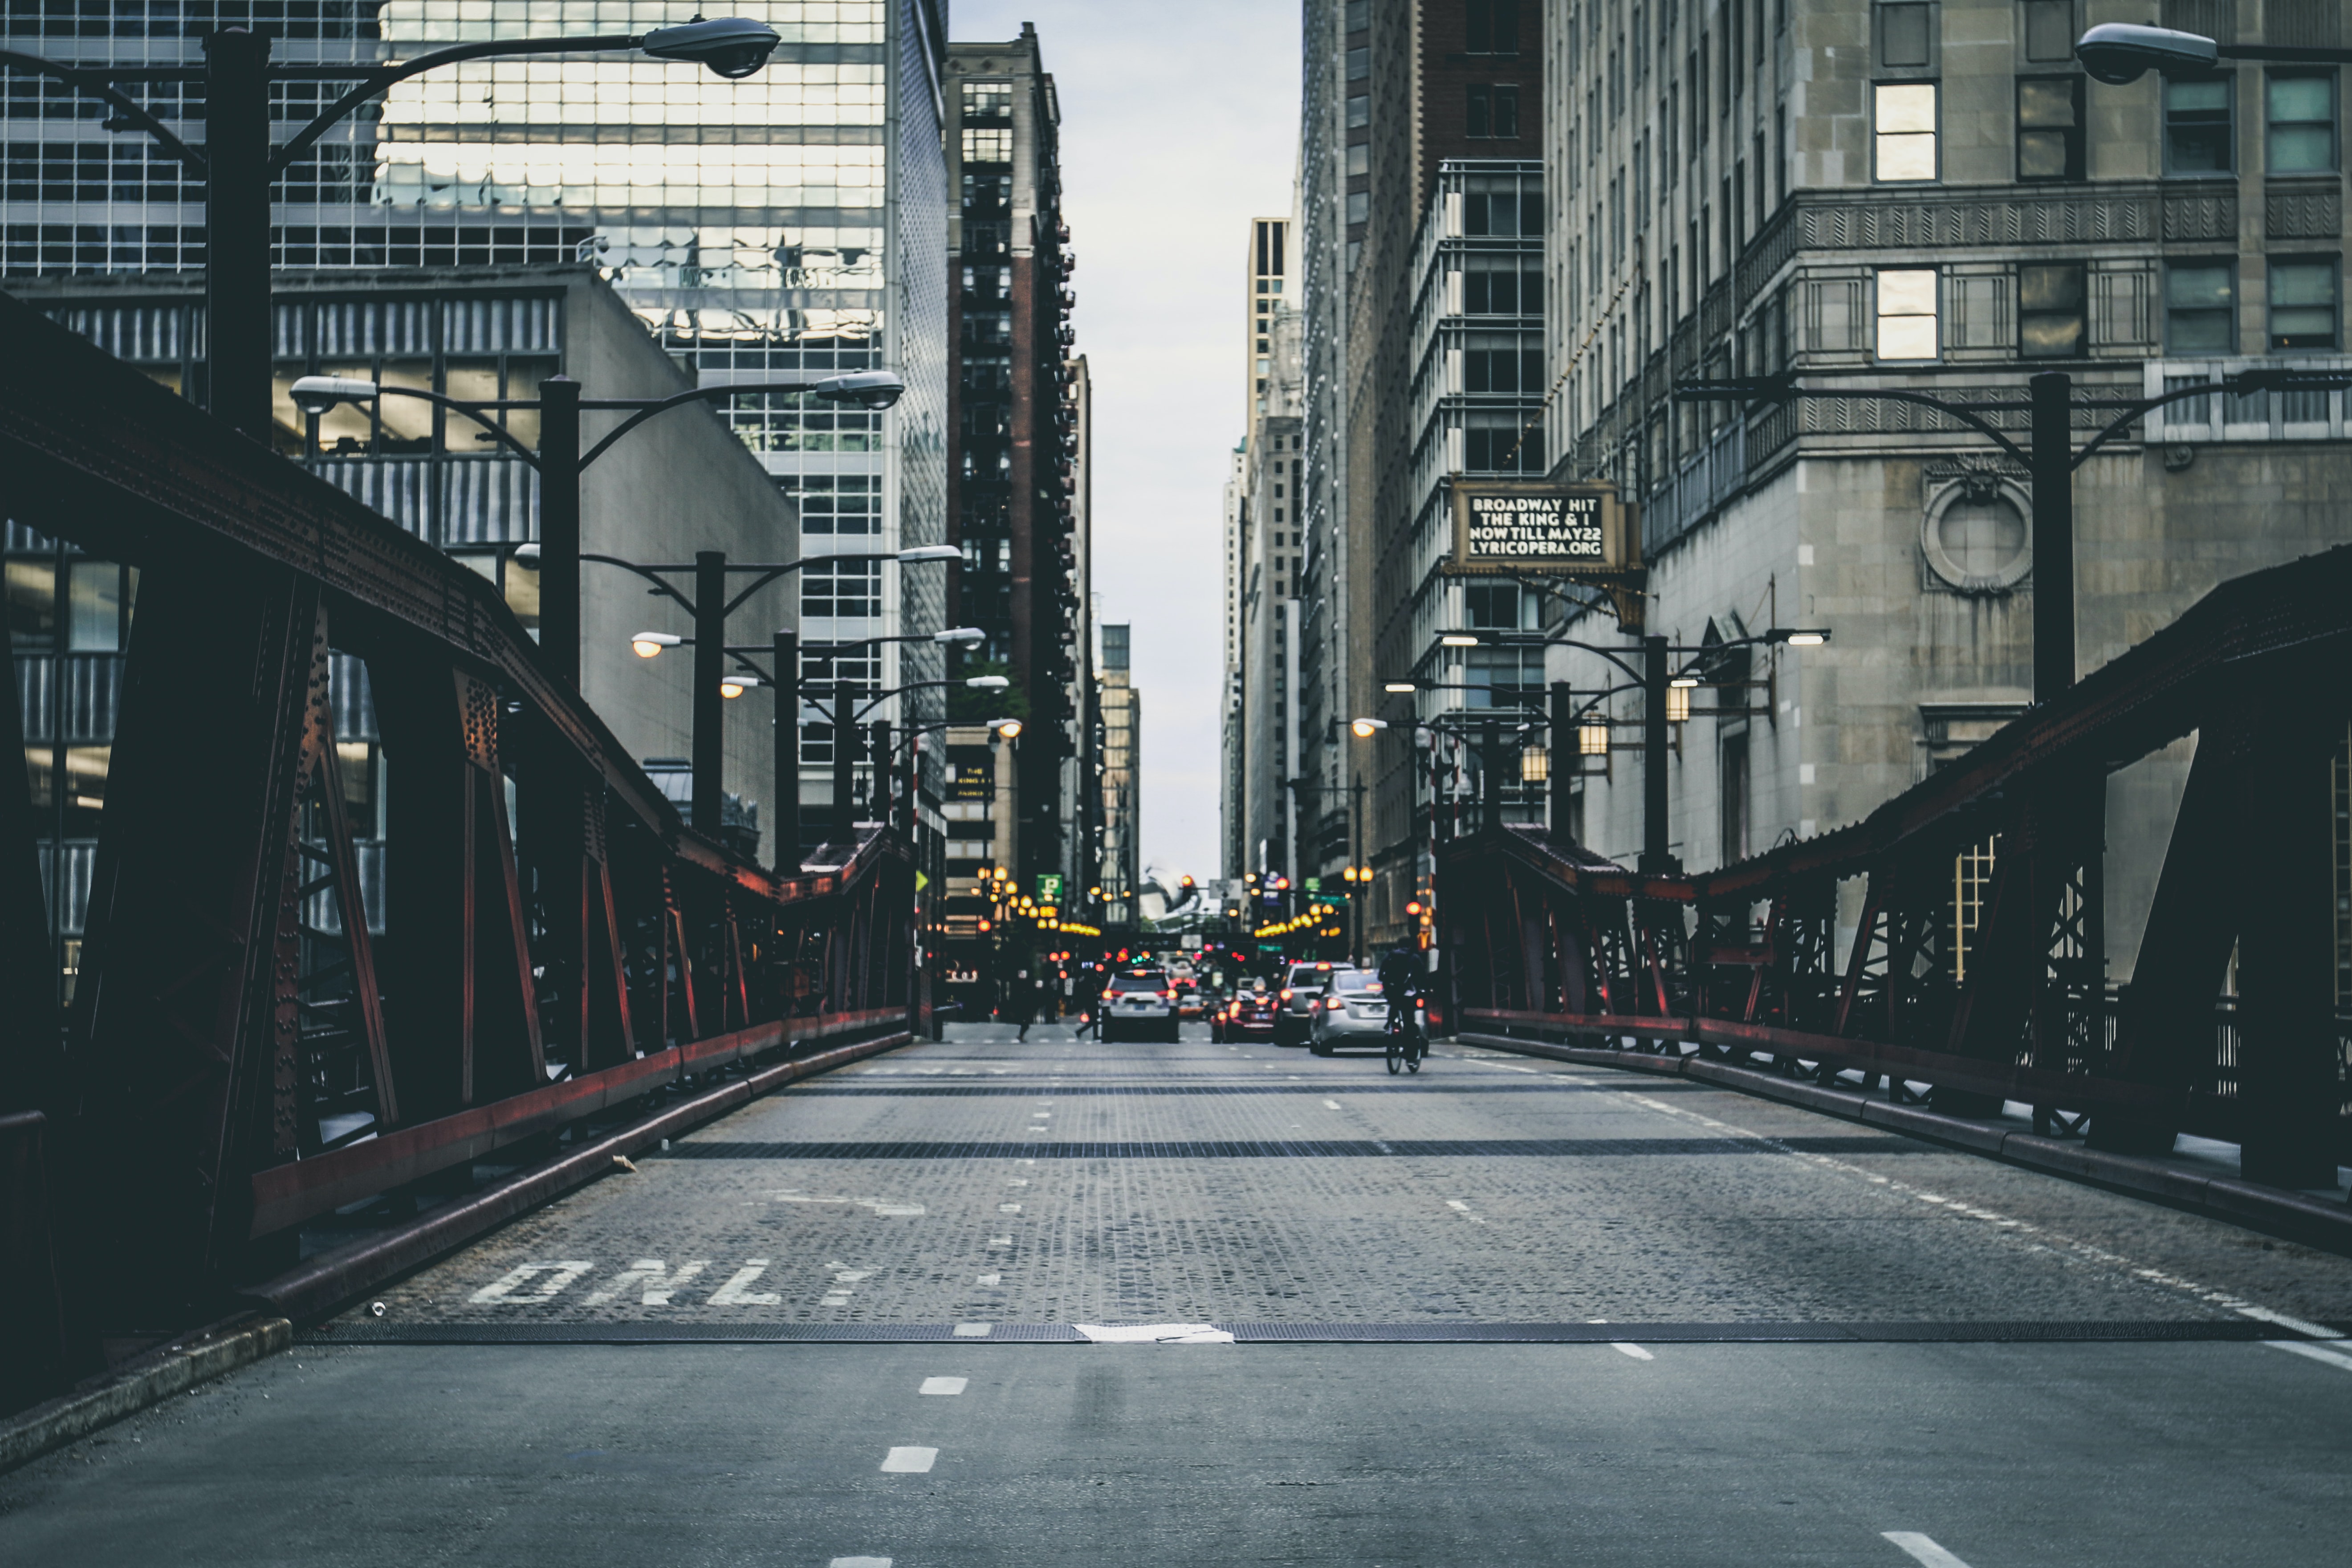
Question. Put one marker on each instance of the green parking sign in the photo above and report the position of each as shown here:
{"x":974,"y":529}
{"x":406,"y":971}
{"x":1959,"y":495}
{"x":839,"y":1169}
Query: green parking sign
{"x":1049,"y":886}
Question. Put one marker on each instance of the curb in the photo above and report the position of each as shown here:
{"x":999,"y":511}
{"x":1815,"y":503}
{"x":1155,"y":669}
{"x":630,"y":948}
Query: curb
{"x":2277,"y":1211}
{"x":327,"y":1281}
{"x":145,"y":1381}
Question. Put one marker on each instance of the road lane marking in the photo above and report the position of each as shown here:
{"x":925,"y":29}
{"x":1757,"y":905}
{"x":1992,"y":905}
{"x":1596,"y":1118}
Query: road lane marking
{"x":882,"y":1207}
{"x":559,"y":1275}
{"x":1636,"y":1352}
{"x":1457,"y":1204}
{"x":975,"y":1331}
{"x":859,"y":1562}
{"x":944,"y":1385}
{"x":990,"y":1279}
{"x":1154,"y":1333}
{"x":737,"y":1291}
{"x":1923,"y":1548}
{"x":911,"y":1461}
{"x":2042,"y":1235}
{"x":1008,"y":1208}
{"x":1000,"y":1241}
{"x":2335,"y":1358}
{"x":658,"y":1283}
{"x":1330,"y":1105}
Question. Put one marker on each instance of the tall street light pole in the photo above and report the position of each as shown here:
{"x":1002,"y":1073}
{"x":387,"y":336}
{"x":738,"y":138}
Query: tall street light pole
{"x":560,"y":462}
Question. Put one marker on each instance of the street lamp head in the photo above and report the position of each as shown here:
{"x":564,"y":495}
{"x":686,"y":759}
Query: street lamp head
{"x":1683,"y":681}
{"x":649,"y":644}
{"x":986,"y":682}
{"x":1457,"y":639}
{"x":1400,"y":686}
{"x":959,"y":634}
{"x":930,"y":553}
{"x":866,"y":388}
{"x":1802,"y":637}
{"x":2119,"y":52}
{"x":318,"y":394}
{"x":527,"y":554}
{"x":1008,"y":728}
{"x":1364,"y":729}
{"x":731,"y":687}
{"x":732,"y":46}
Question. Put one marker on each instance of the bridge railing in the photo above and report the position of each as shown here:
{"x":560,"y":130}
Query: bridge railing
{"x":279,"y":1010}
{"x":1956,"y":937}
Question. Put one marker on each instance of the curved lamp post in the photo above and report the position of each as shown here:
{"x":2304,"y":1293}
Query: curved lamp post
{"x":560,"y":461}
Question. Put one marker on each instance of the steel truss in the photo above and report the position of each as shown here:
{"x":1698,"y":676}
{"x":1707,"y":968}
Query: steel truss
{"x":1990,"y":987}
{"x":246,"y":1048}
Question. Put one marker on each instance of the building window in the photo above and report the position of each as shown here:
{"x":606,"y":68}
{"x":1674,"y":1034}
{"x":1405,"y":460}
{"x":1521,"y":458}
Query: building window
{"x":2050,"y":127}
{"x":987,"y":145}
{"x":1501,"y":206}
{"x":1502,"y":285}
{"x":1494,"y":112}
{"x":1359,"y":63}
{"x":848,"y":589}
{"x":2302,"y":123}
{"x":2050,"y":31}
{"x":1358,"y":202}
{"x":2200,"y":307}
{"x":1494,"y":27}
{"x":1489,"y":436}
{"x":1359,"y":112}
{"x":1360,"y":160}
{"x":2197,"y":127}
{"x":1904,"y":129}
{"x":2050,"y":315}
{"x":1905,"y":36}
{"x":2303,"y":303}
{"x":840,"y":503}
{"x":988,"y":101}
{"x":1502,"y":361}
{"x":1907,"y":314}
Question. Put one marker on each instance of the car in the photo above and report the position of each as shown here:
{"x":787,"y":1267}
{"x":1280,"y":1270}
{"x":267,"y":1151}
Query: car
{"x":1188,"y":998}
{"x":1301,"y":989}
{"x":1140,"y":1003}
{"x":1248,"y":1016}
{"x":1352,"y":1012}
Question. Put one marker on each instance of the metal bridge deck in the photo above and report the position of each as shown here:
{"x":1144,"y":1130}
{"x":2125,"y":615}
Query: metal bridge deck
{"x":1775,"y":1353}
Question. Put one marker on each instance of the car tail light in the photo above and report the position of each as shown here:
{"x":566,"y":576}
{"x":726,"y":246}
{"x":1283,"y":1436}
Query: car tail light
{"x":1285,"y":992}
{"x":1335,"y":1003}
{"x":1170,"y":995}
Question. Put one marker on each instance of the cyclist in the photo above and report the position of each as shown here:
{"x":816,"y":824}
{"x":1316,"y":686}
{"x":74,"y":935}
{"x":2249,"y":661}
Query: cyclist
{"x":1400,"y":972}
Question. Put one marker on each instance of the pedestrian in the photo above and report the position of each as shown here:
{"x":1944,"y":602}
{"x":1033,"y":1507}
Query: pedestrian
{"x":1021,"y":1003}
{"x":1090,"y":990}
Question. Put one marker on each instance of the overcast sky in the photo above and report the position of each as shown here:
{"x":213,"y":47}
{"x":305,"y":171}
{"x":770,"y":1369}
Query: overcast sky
{"x":1179,"y":125}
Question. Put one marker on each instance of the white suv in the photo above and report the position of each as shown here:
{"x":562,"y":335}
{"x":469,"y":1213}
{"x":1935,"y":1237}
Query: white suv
{"x":1140,"y":1003}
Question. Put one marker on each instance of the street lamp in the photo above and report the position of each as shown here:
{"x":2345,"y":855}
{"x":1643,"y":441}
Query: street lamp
{"x":2120,"y":52}
{"x":560,"y":462}
{"x":237,"y":165}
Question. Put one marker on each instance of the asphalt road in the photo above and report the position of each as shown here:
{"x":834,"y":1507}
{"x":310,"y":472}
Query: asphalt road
{"x":1506,"y":1312}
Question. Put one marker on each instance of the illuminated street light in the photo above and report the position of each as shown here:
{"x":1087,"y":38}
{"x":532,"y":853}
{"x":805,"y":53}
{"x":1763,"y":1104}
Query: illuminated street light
{"x":649,"y":645}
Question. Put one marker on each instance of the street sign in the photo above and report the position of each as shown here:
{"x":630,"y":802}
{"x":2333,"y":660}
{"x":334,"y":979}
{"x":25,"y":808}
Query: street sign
{"x":1523,"y":525}
{"x":1049,"y":886}
{"x":1314,"y":884}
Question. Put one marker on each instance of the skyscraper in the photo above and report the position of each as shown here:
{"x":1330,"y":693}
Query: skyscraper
{"x":787,"y":224}
{"x":1018,"y":457}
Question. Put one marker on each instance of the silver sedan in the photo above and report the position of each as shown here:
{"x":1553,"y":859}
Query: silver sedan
{"x":1353,"y":1013}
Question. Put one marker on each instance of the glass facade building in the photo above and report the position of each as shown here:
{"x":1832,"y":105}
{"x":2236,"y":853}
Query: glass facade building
{"x":790,"y":223}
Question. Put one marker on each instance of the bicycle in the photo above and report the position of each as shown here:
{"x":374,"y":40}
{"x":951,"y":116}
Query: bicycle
{"x":1407,"y":1044}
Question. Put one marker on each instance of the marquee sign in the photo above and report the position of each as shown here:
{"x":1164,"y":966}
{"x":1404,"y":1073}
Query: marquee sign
{"x":1519,"y":525}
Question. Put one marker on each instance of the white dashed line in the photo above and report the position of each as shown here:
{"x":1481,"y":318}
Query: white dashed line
{"x":1457,"y":1204}
{"x":2335,"y":1358}
{"x":859,"y":1562}
{"x":1330,"y":1105}
{"x":988,"y":1280}
{"x":1000,"y":1241}
{"x":1923,"y":1548}
{"x":1636,"y":1352}
{"x":975,"y":1331}
{"x":1008,"y":1208}
{"x":944,"y":1385}
{"x":911,"y":1461}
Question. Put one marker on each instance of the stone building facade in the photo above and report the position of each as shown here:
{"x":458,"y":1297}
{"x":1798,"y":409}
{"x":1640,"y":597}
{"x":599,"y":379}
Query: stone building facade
{"x":1931,"y":197}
